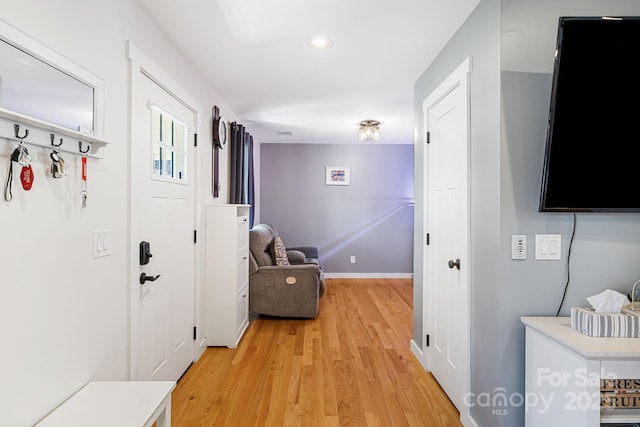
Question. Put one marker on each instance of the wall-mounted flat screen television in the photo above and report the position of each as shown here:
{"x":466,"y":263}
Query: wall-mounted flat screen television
{"x":592,"y":154}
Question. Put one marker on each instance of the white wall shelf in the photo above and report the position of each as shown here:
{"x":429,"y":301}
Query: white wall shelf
{"x":40,"y":134}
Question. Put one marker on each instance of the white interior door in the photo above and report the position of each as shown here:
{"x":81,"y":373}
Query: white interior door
{"x":447,"y":261}
{"x":162,"y":214}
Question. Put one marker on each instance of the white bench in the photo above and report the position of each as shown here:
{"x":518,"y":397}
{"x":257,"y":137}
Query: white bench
{"x":115,"y":403}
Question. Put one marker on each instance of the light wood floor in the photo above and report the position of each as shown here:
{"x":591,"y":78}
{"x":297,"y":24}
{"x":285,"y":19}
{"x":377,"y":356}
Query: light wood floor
{"x":351,"y":366}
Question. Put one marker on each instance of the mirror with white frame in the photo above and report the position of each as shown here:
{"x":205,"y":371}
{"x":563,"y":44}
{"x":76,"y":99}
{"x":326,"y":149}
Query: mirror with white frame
{"x":48,"y":96}
{"x":35,"y":88}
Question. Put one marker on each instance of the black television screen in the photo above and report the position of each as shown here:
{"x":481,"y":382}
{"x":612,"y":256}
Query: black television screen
{"x":592,"y":154}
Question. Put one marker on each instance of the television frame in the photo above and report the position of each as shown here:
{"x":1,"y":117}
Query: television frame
{"x":553,"y":135}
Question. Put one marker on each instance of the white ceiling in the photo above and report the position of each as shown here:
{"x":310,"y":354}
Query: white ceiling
{"x":255,"y":53}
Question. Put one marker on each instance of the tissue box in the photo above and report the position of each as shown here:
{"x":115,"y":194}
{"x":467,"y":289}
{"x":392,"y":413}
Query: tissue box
{"x":625,"y":324}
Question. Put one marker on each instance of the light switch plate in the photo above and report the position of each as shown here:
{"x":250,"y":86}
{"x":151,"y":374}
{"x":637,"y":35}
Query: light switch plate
{"x":101,"y":243}
{"x":548,"y":247}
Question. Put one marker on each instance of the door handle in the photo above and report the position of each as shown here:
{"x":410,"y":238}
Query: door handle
{"x":455,"y":263}
{"x":144,"y":278}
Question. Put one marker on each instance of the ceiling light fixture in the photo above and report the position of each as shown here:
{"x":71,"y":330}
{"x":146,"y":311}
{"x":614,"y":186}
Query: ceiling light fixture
{"x":369,"y":130}
{"x":320,"y":43}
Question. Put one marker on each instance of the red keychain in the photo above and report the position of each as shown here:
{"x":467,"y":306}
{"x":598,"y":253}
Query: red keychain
{"x":24,"y":159}
{"x":84,"y":182}
{"x":26,"y":177}
{"x":84,"y":173}
{"x":21,"y":156}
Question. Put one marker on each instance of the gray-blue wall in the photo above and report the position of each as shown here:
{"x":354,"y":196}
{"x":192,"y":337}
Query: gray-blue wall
{"x":371,"y":219}
{"x":512,"y":43}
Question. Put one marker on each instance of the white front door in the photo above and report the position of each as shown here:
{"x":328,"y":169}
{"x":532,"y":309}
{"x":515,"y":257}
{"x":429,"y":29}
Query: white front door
{"x":447,"y":260}
{"x":162,"y":214}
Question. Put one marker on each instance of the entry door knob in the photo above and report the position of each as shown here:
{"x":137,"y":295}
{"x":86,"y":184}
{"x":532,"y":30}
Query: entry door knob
{"x":144,"y":278}
{"x":455,"y":263}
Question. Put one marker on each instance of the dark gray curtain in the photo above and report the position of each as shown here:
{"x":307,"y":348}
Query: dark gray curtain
{"x":241,"y":168}
{"x":250,"y":191}
{"x":236,"y":166}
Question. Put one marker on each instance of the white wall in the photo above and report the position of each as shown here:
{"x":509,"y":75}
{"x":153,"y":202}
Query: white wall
{"x":64,"y":316}
{"x":371,"y":219}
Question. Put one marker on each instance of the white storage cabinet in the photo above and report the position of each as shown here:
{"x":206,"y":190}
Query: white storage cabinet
{"x":226,"y":274}
{"x":563,"y":369}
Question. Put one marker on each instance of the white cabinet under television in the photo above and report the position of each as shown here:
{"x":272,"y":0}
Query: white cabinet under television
{"x":226,"y":274}
{"x":570,"y":378}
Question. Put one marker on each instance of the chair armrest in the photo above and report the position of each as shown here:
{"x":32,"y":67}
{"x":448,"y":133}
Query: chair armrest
{"x":296,"y":257}
{"x":309,"y":251}
{"x":286,"y":291}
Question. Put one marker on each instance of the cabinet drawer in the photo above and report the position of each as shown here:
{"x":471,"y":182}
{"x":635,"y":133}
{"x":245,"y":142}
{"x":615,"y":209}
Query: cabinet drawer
{"x":242,"y":307}
{"x":242,"y":272}
{"x":243,"y":234}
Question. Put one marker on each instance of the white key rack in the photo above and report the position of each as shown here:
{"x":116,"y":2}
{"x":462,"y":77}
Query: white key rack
{"x":64,"y":140}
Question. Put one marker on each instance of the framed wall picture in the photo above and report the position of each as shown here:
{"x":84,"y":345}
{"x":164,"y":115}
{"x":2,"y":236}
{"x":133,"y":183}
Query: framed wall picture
{"x":338,"y":175}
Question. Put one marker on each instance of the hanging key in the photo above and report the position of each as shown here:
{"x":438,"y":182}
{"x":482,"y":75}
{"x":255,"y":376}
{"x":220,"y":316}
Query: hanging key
{"x":57,"y":165}
{"x":57,"y":162}
{"x":84,"y":181}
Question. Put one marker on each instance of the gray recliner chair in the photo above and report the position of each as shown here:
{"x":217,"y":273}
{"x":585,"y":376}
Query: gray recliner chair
{"x":292,"y":290}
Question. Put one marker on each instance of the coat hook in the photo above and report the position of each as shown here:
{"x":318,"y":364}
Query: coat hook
{"x":16,"y":128}
{"x":80,"y":147}
{"x":53,"y":137}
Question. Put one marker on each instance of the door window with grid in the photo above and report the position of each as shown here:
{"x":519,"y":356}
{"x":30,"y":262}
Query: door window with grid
{"x":169,"y":145}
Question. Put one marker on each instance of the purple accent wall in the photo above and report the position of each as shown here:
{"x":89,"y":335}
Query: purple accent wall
{"x":371,"y":219}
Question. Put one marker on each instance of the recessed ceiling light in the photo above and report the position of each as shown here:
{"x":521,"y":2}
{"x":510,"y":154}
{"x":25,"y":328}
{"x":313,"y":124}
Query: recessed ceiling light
{"x":320,"y":43}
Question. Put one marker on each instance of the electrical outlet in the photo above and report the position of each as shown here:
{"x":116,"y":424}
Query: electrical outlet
{"x":518,"y":246}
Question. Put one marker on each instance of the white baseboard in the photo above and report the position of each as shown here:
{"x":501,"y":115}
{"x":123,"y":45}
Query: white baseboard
{"x":368,"y":275}
{"x":202,"y":346}
{"x":468,"y":421}
{"x":418,"y":353}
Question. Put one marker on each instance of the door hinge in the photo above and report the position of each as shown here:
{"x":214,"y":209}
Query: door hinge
{"x":195,"y":236}
{"x":428,"y":137}
{"x":427,"y":340}
{"x":194,"y":333}
{"x":428,"y":238}
{"x":195,"y":139}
